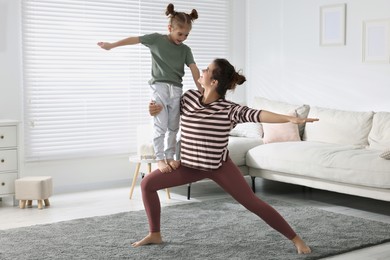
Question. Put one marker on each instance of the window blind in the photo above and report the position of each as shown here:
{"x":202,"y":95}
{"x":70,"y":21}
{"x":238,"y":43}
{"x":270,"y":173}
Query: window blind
{"x":83,"y":101}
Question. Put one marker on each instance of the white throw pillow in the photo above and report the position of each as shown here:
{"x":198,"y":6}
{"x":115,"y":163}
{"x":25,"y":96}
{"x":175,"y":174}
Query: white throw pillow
{"x":284,"y":132}
{"x":385,"y":154}
{"x":251,"y":130}
{"x":339,"y":126}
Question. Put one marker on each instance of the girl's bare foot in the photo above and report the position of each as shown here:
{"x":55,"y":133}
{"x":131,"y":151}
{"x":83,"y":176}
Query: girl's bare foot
{"x":151,"y":238}
{"x":301,"y":246}
{"x":163,"y":166}
{"x":173,"y":163}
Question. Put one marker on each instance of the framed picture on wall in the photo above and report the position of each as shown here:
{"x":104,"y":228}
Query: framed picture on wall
{"x":332,"y":24}
{"x":376,"y":41}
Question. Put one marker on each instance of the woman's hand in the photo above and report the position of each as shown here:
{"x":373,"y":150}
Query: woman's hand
{"x":154,"y":108}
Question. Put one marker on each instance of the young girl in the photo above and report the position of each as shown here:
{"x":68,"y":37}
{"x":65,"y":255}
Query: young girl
{"x":169,"y":55}
{"x":206,"y":120}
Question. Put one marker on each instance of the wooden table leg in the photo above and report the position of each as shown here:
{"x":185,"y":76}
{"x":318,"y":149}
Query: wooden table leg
{"x":149,"y":167}
{"x":168,"y":193}
{"x":134,"y":179}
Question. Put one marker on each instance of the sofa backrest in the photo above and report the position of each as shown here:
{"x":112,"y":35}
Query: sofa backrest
{"x":339,"y":126}
{"x":379,"y":137}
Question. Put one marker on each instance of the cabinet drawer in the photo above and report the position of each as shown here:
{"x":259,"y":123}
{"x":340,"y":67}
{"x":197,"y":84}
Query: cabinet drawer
{"x":8,"y":160}
{"x":7,"y":183}
{"x":8,"y":136}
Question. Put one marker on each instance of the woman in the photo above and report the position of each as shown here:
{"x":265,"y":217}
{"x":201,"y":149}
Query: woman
{"x":206,"y":120}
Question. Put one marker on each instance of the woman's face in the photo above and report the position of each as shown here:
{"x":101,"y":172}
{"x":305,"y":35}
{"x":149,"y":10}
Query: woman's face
{"x":206,"y":78}
{"x":178,"y":34}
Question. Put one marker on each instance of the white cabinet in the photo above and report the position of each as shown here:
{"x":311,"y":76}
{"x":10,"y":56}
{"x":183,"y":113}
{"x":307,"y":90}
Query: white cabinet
{"x":8,"y":157}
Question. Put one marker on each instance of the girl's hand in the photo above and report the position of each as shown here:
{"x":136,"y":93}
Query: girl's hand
{"x":105,"y":45}
{"x":154,"y":108}
{"x":297,"y":120}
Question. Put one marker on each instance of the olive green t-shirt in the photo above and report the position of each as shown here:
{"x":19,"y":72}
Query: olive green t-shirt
{"x":168,"y":59}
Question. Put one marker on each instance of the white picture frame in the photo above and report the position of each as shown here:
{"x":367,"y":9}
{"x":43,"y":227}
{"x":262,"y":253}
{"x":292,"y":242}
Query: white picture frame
{"x":332,"y":25}
{"x":376,"y":41}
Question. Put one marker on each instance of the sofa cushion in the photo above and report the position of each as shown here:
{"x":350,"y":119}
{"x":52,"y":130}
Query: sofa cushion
{"x":333,"y":162}
{"x":379,"y":137}
{"x":284,"y":132}
{"x":251,"y":130}
{"x":282,"y":108}
{"x":239,"y":146}
{"x":339,"y":127}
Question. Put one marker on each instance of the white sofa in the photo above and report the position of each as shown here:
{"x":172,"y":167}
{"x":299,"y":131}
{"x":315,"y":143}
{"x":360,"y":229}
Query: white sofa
{"x":346,"y":151}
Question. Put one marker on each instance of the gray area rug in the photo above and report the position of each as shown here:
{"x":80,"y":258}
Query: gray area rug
{"x":218,"y":229}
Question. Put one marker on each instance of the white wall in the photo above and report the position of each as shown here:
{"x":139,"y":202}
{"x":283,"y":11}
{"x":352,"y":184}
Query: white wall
{"x":238,"y":48}
{"x":285,"y":61}
{"x":10,"y":71}
{"x":83,"y":173}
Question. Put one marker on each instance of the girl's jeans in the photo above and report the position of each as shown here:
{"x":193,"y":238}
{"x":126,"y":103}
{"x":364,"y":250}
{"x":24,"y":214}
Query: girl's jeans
{"x":168,"y":120}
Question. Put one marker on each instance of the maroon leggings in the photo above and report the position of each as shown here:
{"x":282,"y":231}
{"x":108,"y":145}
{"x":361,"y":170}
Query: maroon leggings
{"x":228,"y":176}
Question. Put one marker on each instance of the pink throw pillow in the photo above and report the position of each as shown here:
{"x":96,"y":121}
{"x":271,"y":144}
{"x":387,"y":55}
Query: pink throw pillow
{"x":284,"y":132}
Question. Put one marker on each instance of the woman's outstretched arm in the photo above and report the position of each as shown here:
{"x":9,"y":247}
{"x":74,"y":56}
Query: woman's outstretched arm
{"x":270,"y":117}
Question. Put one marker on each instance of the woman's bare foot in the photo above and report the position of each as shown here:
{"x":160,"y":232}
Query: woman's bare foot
{"x":151,"y":238}
{"x":173,"y":163}
{"x":163,"y":166}
{"x":301,"y":246}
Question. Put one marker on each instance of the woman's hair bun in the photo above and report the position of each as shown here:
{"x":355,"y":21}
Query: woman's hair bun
{"x":240,"y":79}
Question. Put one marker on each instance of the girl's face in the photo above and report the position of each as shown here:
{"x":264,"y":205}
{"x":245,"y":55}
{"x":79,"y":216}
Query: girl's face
{"x":206,"y":78}
{"x":178,"y":34}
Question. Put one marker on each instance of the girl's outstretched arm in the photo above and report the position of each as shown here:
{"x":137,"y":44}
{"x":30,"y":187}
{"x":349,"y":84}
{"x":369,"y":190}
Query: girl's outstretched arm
{"x":128,"y":41}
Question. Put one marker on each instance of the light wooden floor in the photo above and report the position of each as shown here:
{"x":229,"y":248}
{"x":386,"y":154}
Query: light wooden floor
{"x":109,"y":201}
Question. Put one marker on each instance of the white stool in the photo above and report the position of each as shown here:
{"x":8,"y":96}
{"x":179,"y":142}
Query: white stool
{"x":139,"y":161}
{"x":32,"y":188}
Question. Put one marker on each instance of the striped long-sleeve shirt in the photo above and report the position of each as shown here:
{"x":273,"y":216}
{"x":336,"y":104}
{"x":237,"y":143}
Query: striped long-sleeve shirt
{"x":205,"y":129}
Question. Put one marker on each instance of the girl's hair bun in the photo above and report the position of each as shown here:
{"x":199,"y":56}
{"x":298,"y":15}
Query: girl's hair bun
{"x":180,"y":18}
{"x":170,"y":10}
{"x":193,"y":14}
